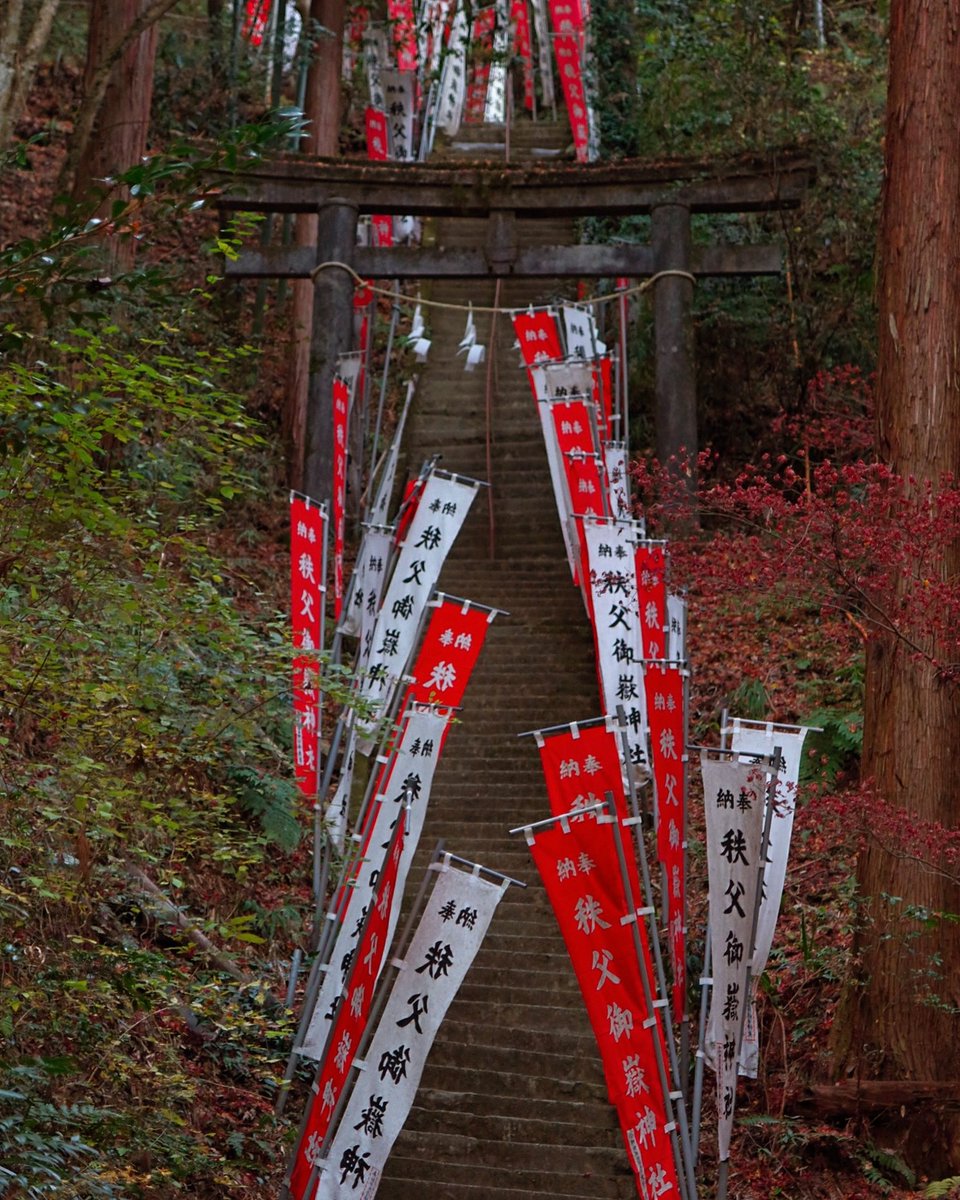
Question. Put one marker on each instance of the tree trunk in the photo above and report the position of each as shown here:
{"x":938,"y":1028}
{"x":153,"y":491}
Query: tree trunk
{"x":900,"y":1021}
{"x":110,"y":130}
{"x":322,"y":113}
{"x":17,"y":66}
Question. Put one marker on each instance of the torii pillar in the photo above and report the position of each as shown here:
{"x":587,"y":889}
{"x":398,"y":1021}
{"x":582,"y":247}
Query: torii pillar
{"x":675,"y":386}
{"x":331,"y":336}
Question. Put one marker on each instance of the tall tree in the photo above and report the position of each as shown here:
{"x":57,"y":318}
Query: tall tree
{"x":902,"y":1022}
{"x":112,"y":122}
{"x":19,"y":57}
{"x":322,"y":114}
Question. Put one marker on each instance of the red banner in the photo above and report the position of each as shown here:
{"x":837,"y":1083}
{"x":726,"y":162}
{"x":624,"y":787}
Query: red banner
{"x":603,"y":395}
{"x":664,"y":686}
{"x":651,"y":560}
{"x":520,"y":17}
{"x":579,"y":865}
{"x":539,"y":336}
{"x":307,"y":540}
{"x":400,"y":14}
{"x":575,"y":425}
{"x":580,"y":765}
{"x":449,"y":652}
{"x":567,"y":21}
{"x":341,"y":404}
{"x":256,"y":15}
{"x":408,"y":507}
{"x":378,"y":143}
{"x":349,"y":1021}
{"x":378,"y":150}
{"x":481,"y":49}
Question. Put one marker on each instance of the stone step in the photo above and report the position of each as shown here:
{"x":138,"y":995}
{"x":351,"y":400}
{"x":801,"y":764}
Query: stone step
{"x":588,"y":1175}
{"x":516,"y":1117}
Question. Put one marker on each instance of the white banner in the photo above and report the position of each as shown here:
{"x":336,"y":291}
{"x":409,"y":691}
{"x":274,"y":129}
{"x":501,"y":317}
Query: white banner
{"x":375,"y":57}
{"x":338,"y":810}
{"x":453,"y":76}
{"x":367,"y":581}
{"x":452,"y":927}
{"x":433,"y":20}
{"x":618,"y":482}
{"x":616,"y":627}
{"x":676,"y":648}
{"x":378,"y":510}
{"x":495,"y":106}
{"x":558,"y":479}
{"x":581,"y":331}
{"x":410,"y":777}
{"x":399,"y":96}
{"x":733,"y":795}
{"x":544,"y":53}
{"x":562,"y":381}
{"x":754,"y":738}
{"x":440,"y":513}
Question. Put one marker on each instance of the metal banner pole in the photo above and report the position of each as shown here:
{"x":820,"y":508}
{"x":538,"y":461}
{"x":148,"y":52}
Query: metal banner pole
{"x":706,"y":984}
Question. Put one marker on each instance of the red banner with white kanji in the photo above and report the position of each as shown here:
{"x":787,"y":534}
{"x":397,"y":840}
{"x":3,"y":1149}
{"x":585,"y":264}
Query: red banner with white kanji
{"x":350,"y":1019}
{"x":666,"y":693}
{"x":449,"y":652}
{"x":520,"y":16}
{"x":581,"y":763}
{"x":603,"y":394}
{"x":568,"y":36}
{"x":308,"y":531}
{"x":579,"y":865}
{"x":538,"y":334}
{"x":481,"y":52}
{"x":651,"y":561}
{"x":341,"y":407}
{"x":400,"y":14}
{"x":378,"y":150}
{"x":256,"y":17}
{"x":575,"y":428}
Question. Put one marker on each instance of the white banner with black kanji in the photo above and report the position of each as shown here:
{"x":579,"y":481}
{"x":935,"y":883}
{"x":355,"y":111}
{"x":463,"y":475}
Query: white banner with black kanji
{"x":616,"y":627}
{"x":381,"y":504}
{"x":453,"y":75}
{"x":441,"y":511}
{"x":451,"y":929}
{"x":410,"y":780}
{"x":752,"y":739}
{"x":733,"y":798}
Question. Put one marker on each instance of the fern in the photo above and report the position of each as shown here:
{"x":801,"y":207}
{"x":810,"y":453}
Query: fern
{"x":271,"y":799}
{"x":943,"y":1187}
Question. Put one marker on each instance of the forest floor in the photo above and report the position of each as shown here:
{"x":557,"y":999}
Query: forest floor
{"x":170,"y":1077}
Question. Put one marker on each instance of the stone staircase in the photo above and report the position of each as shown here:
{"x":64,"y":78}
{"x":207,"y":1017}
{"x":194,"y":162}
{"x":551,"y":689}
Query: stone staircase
{"x":512,"y":1103}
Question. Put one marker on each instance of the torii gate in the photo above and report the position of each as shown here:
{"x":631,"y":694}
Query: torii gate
{"x":511,"y":197}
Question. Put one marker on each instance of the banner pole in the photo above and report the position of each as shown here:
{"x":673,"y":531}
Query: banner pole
{"x":319,"y":842}
{"x":706,"y":984}
{"x":391,"y":333}
{"x":672,"y":1098}
{"x":641,"y":851}
{"x":684,"y":833}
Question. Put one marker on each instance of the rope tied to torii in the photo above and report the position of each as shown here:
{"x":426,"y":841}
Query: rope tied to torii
{"x":399,"y":297}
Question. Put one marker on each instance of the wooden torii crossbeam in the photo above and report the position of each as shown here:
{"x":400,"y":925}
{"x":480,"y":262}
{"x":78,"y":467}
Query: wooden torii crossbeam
{"x":511,"y":198}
